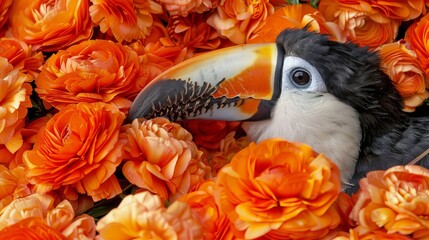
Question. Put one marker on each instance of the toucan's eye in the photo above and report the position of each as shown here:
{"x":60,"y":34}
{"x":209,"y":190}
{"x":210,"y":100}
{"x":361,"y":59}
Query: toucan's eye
{"x":300,"y":78}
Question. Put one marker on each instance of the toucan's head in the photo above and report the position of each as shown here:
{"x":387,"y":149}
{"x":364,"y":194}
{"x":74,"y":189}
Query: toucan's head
{"x":332,"y":96}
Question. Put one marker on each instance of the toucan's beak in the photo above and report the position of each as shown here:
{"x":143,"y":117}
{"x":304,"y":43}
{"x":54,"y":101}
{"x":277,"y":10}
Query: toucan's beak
{"x":235,"y":83}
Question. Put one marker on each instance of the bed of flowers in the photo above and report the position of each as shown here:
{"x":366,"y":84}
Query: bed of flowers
{"x":71,"y":167}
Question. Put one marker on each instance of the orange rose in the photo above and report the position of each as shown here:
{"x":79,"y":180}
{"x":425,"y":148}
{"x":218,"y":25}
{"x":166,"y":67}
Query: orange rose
{"x":13,"y":185}
{"x":215,"y":224}
{"x":377,"y":234}
{"x":50,"y":25}
{"x":228,"y":147}
{"x":183,"y":8}
{"x":192,"y":32}
{"x":402,"y":66}
{"x":4,"y":13}
{"x":161,"y":157}
{"x":158,"y":57}
{"x":21,"y":56}
{"x":395,"y":200}
{"x":14,"y":101}
{"x":144,"y":216}
{"x":92,"y":71}
{"x":78,"y":148}
{"x":126,"y":20}
{"x":209,"y":133}
{"x":416,"y":37}
{"x":59,"y":217}
{"x":279,"y":189}
{"x":295,"y":16}
{"x":238,"y":19}
{"x":31,"y":229}
{"x":363,"y":26}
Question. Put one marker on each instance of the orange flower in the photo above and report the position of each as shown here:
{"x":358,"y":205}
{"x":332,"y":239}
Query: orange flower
{"x":183,"y":8}
{"x":60,"y":217}
{"x":31,"y":229}
{"x":50,"y":25}
{"x":279,"y":189}
{"x":402,"y":66}
{"x":215,"y":224}
{"x":238,"y":19}
{"x":78,"y":148}
{"x":158,"y":57}
{"x":143,"y":215}
{"x":193,"y":32}
{"x":377,"y":234}
{"x":14,"y":101}
{"x":161,"y":157}
{"x":416,"y":37}
{"x":396,"y":9}
{"x":209,"y":133}
{"x":13,"y":185}
{"x":92,"y":71}
{"x":4,"y":13}
{"x":395,"y":200}
{"x":295,"y":16}
{"x":126,"y":20}
{"x":21,"y":56}
{"x":362,"y":25}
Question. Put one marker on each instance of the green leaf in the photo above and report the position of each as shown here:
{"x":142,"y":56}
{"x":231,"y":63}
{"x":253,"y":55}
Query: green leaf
{"x":314,"y":3}
{"x":293,"y":2}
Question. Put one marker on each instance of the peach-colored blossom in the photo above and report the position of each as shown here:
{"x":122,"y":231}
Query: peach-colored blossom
{"x":60,"y":217}
{"x":14,"y":101}
{"x":92,"y":71}
{"x":143,"y":215}
{"x":161,"y":157}
{"x":395,"y":200}
{"x":13,"y":185}
{"x":21,"y":56}
{"x":353,"y":234}
{"x":238,"y":19}
{"x":362,"y":25}
{"x":402,"y":66}
{"x":185,"y":7}
{"x":215,"y":224}
{"x":78,"y":148}
{"x":126,"y":20}
{"x":50,"y":25}
{"x":278,"y":189}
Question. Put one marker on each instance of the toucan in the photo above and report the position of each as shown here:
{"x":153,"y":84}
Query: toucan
{"x":303,"y":87}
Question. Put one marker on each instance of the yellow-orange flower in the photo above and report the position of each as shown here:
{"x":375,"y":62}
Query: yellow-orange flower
{"x":50,"y":25}
{"x":395,"y":200}
{"x":402,"y":66}
{"x":161,"y":157}
{"x":126,"y":20}
{"x":416,"y":36}
{"x":14,"y":101}
{"x":238,"y":19}
{"x":13,"y":185}
{"x":363,"y":26}
{"x":192,"y":32}
{"x":295,"y":16}
{"x":373,"y":235}
{"x":78,"y":148}
{"x":60,"y":217}
{"x":21,"y":56}
{"x":279,"y":189}
{"x":144,"y":216}
{"x":92,"y":71}
{"x":215,"y":224}
{"x":209,"y":133}
{"x":31,"y":229}
{"x":396,"y":9}
{"x":183,"y":8}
